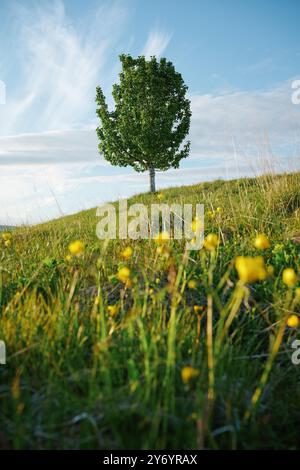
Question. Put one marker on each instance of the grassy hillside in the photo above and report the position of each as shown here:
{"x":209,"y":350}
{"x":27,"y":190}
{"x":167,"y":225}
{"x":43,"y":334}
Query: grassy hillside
{"x":183,"y":355}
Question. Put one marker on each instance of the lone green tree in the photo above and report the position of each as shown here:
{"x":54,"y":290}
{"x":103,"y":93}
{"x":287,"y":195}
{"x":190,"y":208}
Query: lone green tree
{"x":150,"y":120}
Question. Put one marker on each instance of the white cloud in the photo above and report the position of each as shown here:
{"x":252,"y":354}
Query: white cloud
{"x":265,"y":123}
{"x":65,"y":146}
{"x":246,"y":122}
{"x":60,"y":64}
{"x":233,"y":134}
{"x":156,"y":43}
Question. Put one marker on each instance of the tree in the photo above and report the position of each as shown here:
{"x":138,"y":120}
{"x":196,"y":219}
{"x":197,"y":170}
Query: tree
{"x":150,"y":120}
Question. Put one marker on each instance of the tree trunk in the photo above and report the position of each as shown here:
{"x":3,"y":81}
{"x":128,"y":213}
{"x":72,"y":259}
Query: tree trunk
{"x":152,"y":179}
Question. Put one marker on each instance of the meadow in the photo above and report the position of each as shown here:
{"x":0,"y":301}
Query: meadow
{"x":141,"y":345}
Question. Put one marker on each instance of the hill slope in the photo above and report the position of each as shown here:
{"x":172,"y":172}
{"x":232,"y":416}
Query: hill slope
{"x":182,"y":354}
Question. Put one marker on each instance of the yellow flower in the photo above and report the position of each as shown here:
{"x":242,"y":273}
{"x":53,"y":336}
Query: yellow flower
{"x":270,"y":270}
{"x":289,"y":277}
{"x":162,"y":237}
{"x":197,"y":225}
{"x":193,"y":241}
{"x":297,"y":292}
{"x":219,"y":210}
{"x":278,"y":247}
{"x":160,"y":196}
{"x":124,"y":274}
{"x":188,"y":373}
{"x":210,"y":214}
{"x":293,"y":321}
{"x":127,"y":253}
{"x":6,"y":236}
{"x":76,"y":248}
{"x":251,"y":269}
{"x":68,"y":258}
{"x":134,"y":385}
{"x":261,"y":242}
{"x":163,"y":251}
{"x":198,"y":308}
{"x":7,"y":243}
{"x":211,"y":242}
{"x":113,"y":309}
{"x":192,"y":284}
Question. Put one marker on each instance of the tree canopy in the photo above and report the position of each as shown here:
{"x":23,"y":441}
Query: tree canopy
{"x":151,"y":117}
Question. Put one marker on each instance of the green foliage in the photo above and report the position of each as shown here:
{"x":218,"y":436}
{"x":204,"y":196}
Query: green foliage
{"x":151,"y":117}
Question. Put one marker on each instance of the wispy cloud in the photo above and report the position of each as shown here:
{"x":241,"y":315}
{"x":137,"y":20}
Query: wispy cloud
{"x":61,"y":63}
{"x":50,"y":147}
{"x":156,"y":43}
{"x":260,"y":66}
{"x":218,"y":120}
{"x":254,"y":120}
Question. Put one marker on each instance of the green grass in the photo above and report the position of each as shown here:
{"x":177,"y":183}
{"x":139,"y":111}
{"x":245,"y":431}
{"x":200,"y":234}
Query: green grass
{"x":78,"y":377}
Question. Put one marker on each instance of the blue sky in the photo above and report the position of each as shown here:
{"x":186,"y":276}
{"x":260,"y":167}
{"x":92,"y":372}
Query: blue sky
{"x":238,"y":58}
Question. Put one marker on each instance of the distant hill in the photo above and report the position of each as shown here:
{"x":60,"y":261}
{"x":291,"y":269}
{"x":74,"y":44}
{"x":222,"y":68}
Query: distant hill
{"x":4,"y":228}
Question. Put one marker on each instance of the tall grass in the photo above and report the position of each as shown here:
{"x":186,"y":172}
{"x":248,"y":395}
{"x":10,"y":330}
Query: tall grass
{"x":82,"y":375}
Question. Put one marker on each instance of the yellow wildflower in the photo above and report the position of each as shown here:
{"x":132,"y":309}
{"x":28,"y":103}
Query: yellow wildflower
{"x":198,"y":308}
{"x":270,"y":270}
{"x":219,"y":210}
{"x":159,"y":250}
{"x":112,"y":309}
{"x":160,"y":196}
{"x":278,"y":247}
{"x":289,"y":277}
{"x":188,"y":373}
{"x":261,"y":242}
{"x":134,"y":385}
{"x":124,"y":274}
{"x":192,"y":284}
{"x":76,"y":248}
{"x":194,"y":241}
{"x":127,"y":253}
{"x":297,"y":292}
{"x":293,"y":321}
{"x":162,"y":237}
{"x":7,"y":243}
{"x":251,"y":269}
{"x":68,"y":258}
{"x":211,"y":242}
{"x":197,"y":225}
{"x":6,"y":236}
